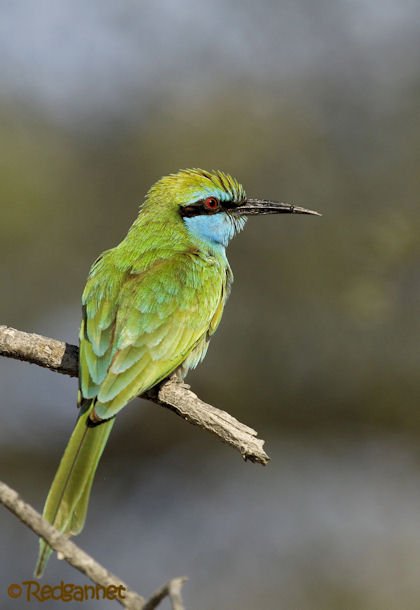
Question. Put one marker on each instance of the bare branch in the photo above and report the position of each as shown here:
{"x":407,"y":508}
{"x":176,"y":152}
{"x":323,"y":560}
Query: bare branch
{"x":172,"y":589}
{"x":67,"y":549}
{"x":55,"y":355}
{"x":172,"y":394}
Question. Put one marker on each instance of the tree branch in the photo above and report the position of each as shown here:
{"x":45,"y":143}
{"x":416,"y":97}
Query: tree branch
{"x":172,"y":394}
{"x":83,"y":562}
{"x":172,"y":590}
{"x":67,"y":549}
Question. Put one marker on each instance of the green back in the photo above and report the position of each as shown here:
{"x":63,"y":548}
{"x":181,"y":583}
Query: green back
{"x":150,"y":305}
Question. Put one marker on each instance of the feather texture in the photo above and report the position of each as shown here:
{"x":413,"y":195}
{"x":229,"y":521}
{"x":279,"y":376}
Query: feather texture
{"x":150,"y":306}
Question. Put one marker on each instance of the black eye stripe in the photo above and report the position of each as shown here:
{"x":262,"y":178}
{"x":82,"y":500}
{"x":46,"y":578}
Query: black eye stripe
{"x":229,"y":205}
{"x":188,"y":211}
{"x":198,"y":209}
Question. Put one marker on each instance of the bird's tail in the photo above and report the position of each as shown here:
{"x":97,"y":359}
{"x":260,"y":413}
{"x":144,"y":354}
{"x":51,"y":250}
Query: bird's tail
{"x":68,"y":498}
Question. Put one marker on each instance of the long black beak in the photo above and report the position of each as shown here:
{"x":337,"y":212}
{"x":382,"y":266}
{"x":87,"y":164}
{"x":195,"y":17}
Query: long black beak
{"x":251,"y":207}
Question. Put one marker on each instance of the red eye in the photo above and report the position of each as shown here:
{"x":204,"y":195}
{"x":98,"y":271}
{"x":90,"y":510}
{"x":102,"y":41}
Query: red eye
{"x":211,"y":203}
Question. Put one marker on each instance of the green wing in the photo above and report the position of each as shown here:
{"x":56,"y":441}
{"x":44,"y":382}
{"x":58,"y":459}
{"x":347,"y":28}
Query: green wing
{"x":141,"y":325}
{"x":96,"y":338}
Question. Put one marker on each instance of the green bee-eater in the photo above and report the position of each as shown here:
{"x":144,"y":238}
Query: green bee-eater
{"x":150,"y":307}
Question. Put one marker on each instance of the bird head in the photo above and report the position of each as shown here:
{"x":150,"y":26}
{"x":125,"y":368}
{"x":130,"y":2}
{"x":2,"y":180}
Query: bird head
{"x":212,"y":205}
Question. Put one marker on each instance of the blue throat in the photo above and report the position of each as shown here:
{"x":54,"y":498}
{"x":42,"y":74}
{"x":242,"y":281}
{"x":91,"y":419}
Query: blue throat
{"x":216,"y":230}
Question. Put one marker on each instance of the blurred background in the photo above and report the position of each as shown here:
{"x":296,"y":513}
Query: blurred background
{"x":313,"y":103}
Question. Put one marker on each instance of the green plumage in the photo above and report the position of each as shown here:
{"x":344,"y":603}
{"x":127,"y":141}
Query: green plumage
{"x":150,"y":306}
{"x":67,"y":501}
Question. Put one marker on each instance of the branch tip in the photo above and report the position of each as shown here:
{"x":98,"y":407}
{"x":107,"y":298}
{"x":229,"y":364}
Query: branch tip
{"x":171,"y":394}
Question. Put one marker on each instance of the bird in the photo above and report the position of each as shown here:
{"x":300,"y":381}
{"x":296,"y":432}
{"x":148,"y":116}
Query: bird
{"x":149,"y":309}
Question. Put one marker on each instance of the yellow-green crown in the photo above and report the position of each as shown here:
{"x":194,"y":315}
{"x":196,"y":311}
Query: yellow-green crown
{"x":189,"y":185}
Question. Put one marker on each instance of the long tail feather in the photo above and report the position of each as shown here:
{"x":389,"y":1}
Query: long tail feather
{"x":68,"y":498}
